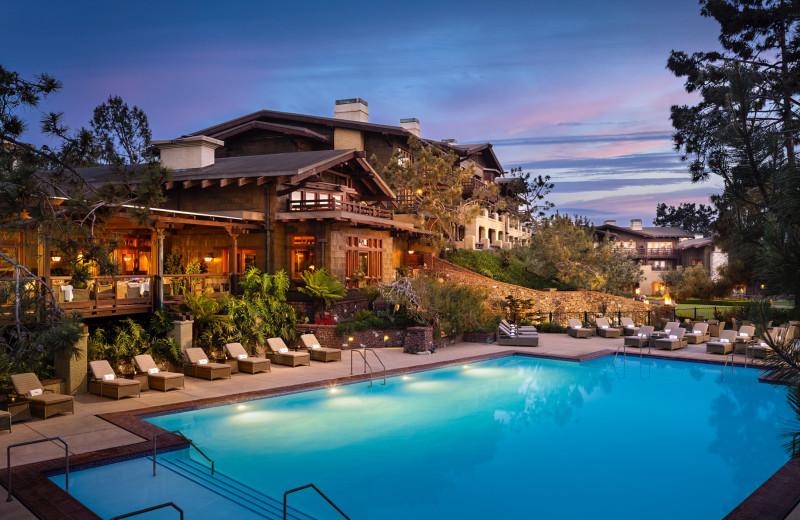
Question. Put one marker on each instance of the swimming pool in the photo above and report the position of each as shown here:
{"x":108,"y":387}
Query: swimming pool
{"x":512,"y":437}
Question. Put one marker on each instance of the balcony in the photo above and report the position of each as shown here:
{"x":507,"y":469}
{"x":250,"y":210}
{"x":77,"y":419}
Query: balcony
{"x":106,"y":295}
{"x":650,"y":252}
{"x":338,"y":205}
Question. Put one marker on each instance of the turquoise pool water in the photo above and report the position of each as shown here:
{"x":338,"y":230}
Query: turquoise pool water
{"x":515,"y":437}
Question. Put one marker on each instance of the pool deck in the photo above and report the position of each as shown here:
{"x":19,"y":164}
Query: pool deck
{"x":110,"y":427}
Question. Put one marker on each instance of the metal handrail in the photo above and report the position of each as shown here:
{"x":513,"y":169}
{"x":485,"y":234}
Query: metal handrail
{"x":8,"y":460}
{"x":794,"y":444}
{"x":366,"y":364}
{"x":187,"y":439}
{"x":379,"y":361}
{"x":285,"y":495}
{"x":726,"y":364}
{"x":139,"y":512}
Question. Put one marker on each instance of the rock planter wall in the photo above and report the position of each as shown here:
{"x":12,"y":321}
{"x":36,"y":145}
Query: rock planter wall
{"x":344,"y":309}
{"x":411,"y":339}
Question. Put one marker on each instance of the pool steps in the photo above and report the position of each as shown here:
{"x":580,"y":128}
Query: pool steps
{"x":230,"y":489}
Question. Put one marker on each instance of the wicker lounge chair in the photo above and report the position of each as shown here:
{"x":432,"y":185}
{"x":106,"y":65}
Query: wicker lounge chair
{"x":246,"y":363}
{"x":105,"y":383}
{"x":521,"y":328}
{"x":744,"y":338}
{"x":628,"y":327}
{"x":280,"y":354}
{"x":639,"y":340}
{"x":45,"y":404}
{"x":157,"y":379}
{"x":605,"y":330}
{"x":723,"y":344}
{"x":319,"y":353}
{"x":699,"y":334}
{"x":5,"y":421}
{"x":576,"y":330}
{"x":762,"y":350}
{"x":197,"y":365}
{"x":674,"y":341}
{"x":715,"y":328}
{"x":517,"y":337}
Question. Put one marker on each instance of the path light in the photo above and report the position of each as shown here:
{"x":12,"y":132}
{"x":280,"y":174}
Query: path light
{"x":334,"y":389}
{"x":385,"y":338}
{"x":405,"y":378}
{"x":350,"y":339}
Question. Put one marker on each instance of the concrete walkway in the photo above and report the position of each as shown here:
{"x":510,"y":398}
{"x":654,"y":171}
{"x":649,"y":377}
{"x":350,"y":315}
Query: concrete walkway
{"x":86,"y":432}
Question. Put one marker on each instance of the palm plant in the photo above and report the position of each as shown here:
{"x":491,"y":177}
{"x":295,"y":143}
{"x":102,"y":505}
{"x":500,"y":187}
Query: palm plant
{"x":262,"y":312}
{"x":212,"y":321}
{"x":322,"y":286}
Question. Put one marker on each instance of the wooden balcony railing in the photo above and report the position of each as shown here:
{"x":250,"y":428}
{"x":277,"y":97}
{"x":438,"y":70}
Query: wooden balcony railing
{"x":106,"y":295}
{"x":650,"y":252}
{"x":177,"y":285}
{"x":338,"y":205}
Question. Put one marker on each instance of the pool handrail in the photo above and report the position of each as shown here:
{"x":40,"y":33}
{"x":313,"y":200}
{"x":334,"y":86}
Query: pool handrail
{"x":187,"y":439}
{"x":8,"y":460}
{"x":147,"y":510}
{"x":286,"y":494}
{"x":363,"y":353}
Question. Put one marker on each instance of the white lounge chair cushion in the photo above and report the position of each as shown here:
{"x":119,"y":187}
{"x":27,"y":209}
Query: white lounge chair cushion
{"x":35,"y":392}
{"x":724,"y":340}
{"x":153,"y":370}
{"x":109,"y":377}
{"x":283,"y":350}
{"x":576,"y":327}
{"x":314,"y":346}
{"x":673,"y":336}
{"x":202,"y":361}
{"x":742,"y":334}
{"x":604,"y":326}
{"x":241,"y":356}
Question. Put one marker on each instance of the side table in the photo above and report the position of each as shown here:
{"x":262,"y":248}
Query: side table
{"x":19,"y":410}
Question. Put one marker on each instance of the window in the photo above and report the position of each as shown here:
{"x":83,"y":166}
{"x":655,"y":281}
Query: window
{"x":658,"y":265}
{"x":659,"y":246}
{"x":695,"y":261}
{"x":404,"y":157}
{"x":659,"y":287}
{"x":301,"y":254}
{"x":364,"y":258}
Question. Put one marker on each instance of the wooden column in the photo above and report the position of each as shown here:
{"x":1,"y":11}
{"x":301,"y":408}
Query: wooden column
{"x":233,"y":264}
{"x":159,"y":238}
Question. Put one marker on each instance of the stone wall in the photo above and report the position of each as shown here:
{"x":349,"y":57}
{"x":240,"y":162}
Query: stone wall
{"x":411,"y":339}
{"x":557,"y":302}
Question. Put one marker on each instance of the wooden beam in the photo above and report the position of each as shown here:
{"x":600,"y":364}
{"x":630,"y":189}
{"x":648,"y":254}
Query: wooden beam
{"x":169,"y":185}
{"x":261,"y":181}
{"x":189,"y":184}
{"x":226,"y":182}
{"x":244,"y":180}
{"x":207,"y":183}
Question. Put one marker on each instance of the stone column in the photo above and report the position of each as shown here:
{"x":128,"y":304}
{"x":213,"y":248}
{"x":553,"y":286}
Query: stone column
{"x":182,"y":332}
{"x":73,"y":370}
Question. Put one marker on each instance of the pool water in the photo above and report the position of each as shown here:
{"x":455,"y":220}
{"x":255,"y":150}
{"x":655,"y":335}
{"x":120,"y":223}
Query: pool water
{"x":512,"y":437}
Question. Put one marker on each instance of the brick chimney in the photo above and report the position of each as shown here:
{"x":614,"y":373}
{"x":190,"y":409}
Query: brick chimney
{"x":636,"y":224}
{"x":411,"y":124}
{"x":353,"y":109}
{"x":188,"y":152}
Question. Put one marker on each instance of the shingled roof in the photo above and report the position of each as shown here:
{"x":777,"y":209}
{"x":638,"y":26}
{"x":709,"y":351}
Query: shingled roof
{"x":648,"y":231}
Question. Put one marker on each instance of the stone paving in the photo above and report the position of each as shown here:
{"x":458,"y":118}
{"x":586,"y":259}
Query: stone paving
{"x":86,"y":432}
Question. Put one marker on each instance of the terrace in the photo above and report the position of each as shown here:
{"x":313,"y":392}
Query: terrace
{"x":101,"y":427}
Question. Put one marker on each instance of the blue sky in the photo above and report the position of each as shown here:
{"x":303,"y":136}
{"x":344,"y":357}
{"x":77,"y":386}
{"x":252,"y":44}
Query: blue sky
{"x":574,"y":89}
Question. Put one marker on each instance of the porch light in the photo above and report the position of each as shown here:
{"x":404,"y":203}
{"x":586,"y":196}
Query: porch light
{"x":127,"y":258}
{"x":638,"y":291}
{"x":55,"y":258}
{"x":80,"y":256}
{"x":410,"y":251}
{"x":311,"y":267}
{"x":419,"y":192}
{"x":208,"y":258}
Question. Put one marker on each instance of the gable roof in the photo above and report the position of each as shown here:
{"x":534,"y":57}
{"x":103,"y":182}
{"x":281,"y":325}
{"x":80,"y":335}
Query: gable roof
{"x":694,"y":242}
{"x":647,"y":231}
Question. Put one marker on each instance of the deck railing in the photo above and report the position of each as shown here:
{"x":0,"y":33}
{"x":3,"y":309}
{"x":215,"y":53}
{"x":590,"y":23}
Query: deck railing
{"x":177,"y":285}
{"x":338,"y":205}
{"x":106,"y":295}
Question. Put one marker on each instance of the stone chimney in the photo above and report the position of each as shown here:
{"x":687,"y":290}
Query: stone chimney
{"x":609,"y":222}
{"x":636,"y":224}
{"x":449,"y":141}
{"x":353,"y":109}
{"x":411,"y":124}
{"x":188,"y":152}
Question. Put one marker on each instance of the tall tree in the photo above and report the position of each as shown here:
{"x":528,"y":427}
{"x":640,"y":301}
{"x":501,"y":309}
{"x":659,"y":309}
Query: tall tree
{"x":686,"y":216}
{"x":123,"y":133}
{"x":433,"y":183}
{"x":744,"y":130}
{"x":528,"y":193}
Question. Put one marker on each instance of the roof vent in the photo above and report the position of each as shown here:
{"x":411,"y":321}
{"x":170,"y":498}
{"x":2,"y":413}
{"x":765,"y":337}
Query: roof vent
{"x":188,"y":152}
{"x":609,"y":222}
{"x":411,"y":124}
{"x":353,"y":109}
{"x":636,"y":224}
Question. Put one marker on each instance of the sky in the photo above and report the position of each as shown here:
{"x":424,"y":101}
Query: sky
{"x":574,"y":89}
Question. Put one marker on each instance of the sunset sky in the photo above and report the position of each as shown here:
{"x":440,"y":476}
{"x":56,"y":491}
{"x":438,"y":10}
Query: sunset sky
{"x":574,"y":89}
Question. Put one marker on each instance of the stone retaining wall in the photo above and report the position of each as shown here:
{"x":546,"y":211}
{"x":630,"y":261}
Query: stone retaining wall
{"x":414,"y":338}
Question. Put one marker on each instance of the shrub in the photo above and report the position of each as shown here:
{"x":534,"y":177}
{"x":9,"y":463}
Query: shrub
{"x":453,"y":309}
{"x":504,"y":267}
{"x":548,"y":327}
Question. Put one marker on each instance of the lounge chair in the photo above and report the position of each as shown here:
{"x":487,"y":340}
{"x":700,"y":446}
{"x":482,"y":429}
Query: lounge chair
{"x":605,"y":330}
{"x":762,"y":349}
{"x":5,"y":421}
{"x":674,"y":341}
{"x":246,"y":363}
{"x":43,"y":403}
{"x":699,"y":334}
{"x":105,"y":382}
{"x":744,"y":338}
{"x":197,"y":365}
{"x":279,"y":354}
{"x":639,"y":340}
{"x":723,"y":344}
{"x":319,"y":353}
{"x":521,"y":328}
{"x":628,"y":327}
{"x":157,"y":379}
{"x":577,"y":330}
{"x":522,"y":337}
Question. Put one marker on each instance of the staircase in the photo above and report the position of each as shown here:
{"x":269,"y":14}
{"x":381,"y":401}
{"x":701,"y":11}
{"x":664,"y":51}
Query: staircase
{"x":230,"y":489}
